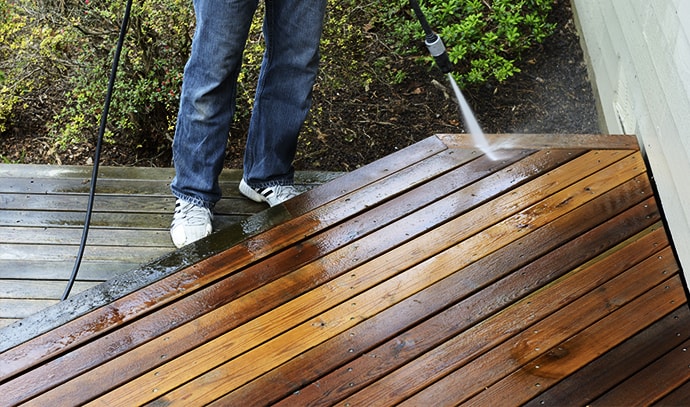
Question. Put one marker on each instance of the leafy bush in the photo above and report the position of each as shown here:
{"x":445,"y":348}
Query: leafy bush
{"x":10,"y":24}
{"x":64,"y":49}
{"x":484,"y":38}
{"x":149,"y":75}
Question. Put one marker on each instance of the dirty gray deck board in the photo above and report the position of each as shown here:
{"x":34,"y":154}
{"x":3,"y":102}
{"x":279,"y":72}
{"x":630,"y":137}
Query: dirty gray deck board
{"x":42,"y":211}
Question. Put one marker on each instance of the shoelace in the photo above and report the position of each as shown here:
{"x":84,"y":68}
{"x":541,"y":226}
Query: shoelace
{"x":191,"y":214}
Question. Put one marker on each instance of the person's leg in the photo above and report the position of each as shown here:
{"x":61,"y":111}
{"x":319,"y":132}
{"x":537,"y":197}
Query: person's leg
{"x":292,"y":29}
{"x":207,"y":101}
{"x":207,"y":105}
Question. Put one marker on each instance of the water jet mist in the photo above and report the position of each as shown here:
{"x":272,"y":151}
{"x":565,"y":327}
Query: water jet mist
{"x":471,"y":123}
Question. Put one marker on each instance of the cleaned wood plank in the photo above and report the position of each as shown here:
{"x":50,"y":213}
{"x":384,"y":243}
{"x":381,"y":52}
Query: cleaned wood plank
{"x":491,"y":331}
{"x":463,"y":284}
{"x":580,"y":347}
{"x":679,"y":397}
{"x":288,"y":378}
{"x":615,"y":366}
{"x":590,"y":162}
{"x":444,"y":262}
{"x":654,"y":382}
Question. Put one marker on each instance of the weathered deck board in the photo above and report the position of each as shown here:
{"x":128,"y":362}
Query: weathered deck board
{"x":42,"y":215}
{"x":434,"y":276}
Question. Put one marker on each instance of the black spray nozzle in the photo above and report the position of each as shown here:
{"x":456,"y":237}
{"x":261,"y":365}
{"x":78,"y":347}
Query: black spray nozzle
{"x":432,"y":41}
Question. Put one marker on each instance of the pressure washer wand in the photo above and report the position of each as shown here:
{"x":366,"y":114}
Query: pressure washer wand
{"x":432,"y":41}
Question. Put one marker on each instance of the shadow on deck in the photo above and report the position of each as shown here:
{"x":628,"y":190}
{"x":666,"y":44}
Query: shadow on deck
{"x":434,"y":276}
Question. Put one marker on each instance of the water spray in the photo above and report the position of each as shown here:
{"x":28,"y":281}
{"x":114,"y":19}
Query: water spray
{"x":438,"y":50}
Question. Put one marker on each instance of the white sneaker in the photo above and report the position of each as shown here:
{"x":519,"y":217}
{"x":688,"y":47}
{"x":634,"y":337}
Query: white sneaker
{"x":274,"y":195}
{"x":190,"y":223}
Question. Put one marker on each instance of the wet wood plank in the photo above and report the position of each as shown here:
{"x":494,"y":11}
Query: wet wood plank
{"x":678,"y":397}
{"x":432,"y":277}
{"x":408,"y":312}
{"x":654,"y":382}
{"x":436,"y":330}
{"x":579,"y":344}
{"x":615,"y":366}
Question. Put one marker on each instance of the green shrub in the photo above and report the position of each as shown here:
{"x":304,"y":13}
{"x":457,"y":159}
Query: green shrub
{"x":483,"y":38}
{"x":61,"y":52}
{"x":10,"y":90}
{"x":149,"y":76}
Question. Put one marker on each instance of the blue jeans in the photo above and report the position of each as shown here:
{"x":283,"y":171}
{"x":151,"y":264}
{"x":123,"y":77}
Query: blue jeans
{"x":292,"y":31}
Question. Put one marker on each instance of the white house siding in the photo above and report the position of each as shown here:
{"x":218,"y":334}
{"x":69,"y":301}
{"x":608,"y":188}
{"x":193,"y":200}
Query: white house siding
{"x":639,"y":54}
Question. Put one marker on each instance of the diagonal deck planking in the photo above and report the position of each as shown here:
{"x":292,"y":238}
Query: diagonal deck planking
{"x":434,"y":276}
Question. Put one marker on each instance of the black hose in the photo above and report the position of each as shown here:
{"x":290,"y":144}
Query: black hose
{"x":422,"y":19}
{"x":97,"y":155}
{"x":432,"y":41}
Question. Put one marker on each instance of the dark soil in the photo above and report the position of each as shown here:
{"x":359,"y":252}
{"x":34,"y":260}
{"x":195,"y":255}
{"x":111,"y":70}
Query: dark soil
{"x":551,"y":94}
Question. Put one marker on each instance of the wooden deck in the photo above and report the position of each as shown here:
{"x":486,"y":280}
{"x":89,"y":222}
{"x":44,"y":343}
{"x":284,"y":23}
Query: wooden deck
{"x":432,"y":277}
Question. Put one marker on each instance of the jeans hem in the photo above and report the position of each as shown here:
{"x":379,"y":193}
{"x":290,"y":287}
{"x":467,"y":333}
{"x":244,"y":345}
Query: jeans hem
{"x":193,"y":200}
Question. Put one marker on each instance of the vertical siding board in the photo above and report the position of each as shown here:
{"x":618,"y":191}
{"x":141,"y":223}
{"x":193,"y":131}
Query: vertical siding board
{"x":611,"y":56}
{"x":591,"y":20}
{"x":640,"y":52}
